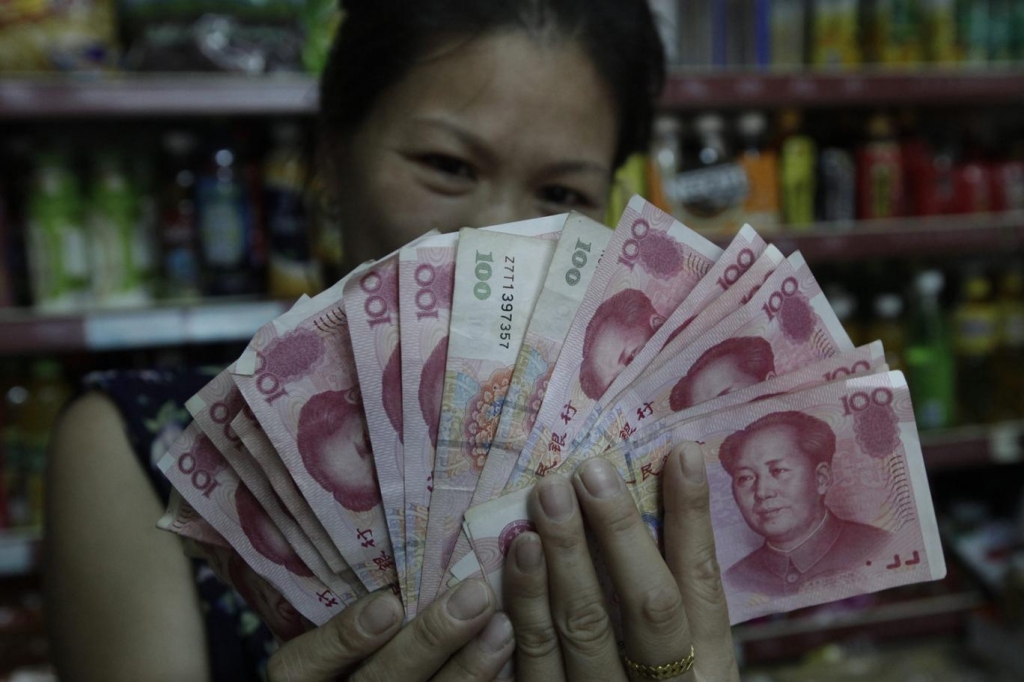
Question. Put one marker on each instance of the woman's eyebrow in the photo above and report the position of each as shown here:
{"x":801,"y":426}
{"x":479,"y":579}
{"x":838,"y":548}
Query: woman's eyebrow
{"x":474,"y":142}
{"x":578,"y":166}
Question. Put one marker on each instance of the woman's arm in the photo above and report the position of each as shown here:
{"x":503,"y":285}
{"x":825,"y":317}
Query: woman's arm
{"x":121,"y":602}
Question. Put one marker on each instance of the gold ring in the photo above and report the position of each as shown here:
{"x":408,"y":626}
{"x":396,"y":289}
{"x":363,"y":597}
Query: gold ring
{"x":638,"y":671}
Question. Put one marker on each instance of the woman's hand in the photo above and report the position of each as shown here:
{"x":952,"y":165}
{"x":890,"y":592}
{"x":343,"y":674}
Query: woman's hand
{"x":458,"y":638}
{"x":557,"y":606}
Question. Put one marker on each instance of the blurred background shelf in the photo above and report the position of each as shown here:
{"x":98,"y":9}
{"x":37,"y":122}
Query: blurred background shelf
{"x":905,"y":237}
{"x":164,"y":95}
{"x":153,"y":95}
{"x":26,"y":332}
{"x":735,"y":89}
{"x":977,"y":445}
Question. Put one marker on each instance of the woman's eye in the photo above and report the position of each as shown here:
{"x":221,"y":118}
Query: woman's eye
{"x":563,"y":196}
{"x":449,"y":165}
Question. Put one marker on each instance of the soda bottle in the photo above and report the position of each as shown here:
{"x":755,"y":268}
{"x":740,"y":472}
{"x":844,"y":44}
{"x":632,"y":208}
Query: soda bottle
{"x":179,"y":227}
{"x":223,"y":224}
{"x":929,"y":357}
{"x":117,"y":276}
{"x":880,"y":164}
{"x":712,"y":188}
{"x":762,"y":166}
{"x":796,"y":169}
{"x":58,"y":258}
{"x":887,"y":327}
{"x":1010,"y":355}
{"x":293,"y":271}
{"x":975,"y":340}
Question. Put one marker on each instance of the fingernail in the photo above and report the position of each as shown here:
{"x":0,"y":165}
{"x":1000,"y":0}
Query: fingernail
{"x":599,"y":478}
{"x":469,"y":600}
{"x":555,"y":498}
{"x":497,"y":634}
{"x":693,"y":465}
{"x":529,"y":554}
{"x":379,"y":615}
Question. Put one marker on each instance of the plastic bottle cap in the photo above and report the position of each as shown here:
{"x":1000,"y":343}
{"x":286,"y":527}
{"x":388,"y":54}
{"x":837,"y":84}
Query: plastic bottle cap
{"x":978,"y":287}
{"x":709,"y":124}
{"x":286,"y":133}
{"x":930,"y":283}
{"x":888,"y":306}
{"x":180,"y":143}
{"x":752,"y":124}
{"x":668,"y":125}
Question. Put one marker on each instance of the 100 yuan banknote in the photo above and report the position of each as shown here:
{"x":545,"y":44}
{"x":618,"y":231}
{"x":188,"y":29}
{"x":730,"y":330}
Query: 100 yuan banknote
{"x":498,"y":278}
{"x":651,"y":264}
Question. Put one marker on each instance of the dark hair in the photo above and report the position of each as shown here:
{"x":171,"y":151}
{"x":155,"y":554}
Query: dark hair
{"x":814,"y":438}
{"x":754,"y":357}
{"x":381,"y":40}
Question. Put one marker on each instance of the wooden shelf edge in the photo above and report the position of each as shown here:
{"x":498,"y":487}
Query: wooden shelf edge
{"x":171,"y":94}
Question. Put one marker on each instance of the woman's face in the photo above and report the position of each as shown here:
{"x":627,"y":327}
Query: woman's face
{"x":502,"y":128}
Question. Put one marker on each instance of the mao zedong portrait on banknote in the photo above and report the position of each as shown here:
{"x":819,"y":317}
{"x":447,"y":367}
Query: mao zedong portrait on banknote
{"x":731,"y":365}
{"x":781,"y":470}
{"x":336,"y":449}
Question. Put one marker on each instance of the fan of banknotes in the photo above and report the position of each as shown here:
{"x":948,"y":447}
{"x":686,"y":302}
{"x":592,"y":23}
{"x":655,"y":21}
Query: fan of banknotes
{"x":386,"y":433}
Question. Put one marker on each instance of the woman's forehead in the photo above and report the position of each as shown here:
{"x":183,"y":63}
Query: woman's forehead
{"x":504,"y":86}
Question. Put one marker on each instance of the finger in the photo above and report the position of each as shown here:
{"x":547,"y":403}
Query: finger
{"x":690,"y":553}
{"x":578,"y":608}
{"x":653,"y":619}
{"x":335,"y":648}
{"x":538,"y":656}
{"x":438,"y":632}
{"x":483,"y":658}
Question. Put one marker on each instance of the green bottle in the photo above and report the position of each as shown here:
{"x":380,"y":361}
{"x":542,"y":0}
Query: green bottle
{"x":56,"y":235}
{"x":117,"y":276}
{"x":929,"y":356}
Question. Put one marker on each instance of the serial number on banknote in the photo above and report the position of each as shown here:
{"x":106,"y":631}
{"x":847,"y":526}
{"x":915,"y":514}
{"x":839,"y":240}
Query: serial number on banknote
{"x":482,"y":290}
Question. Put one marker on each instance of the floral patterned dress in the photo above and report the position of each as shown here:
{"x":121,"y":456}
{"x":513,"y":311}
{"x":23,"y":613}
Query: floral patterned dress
{"x":152,"y":404}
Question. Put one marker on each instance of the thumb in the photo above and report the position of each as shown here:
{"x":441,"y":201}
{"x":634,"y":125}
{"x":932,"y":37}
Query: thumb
{"x":339,"y":645}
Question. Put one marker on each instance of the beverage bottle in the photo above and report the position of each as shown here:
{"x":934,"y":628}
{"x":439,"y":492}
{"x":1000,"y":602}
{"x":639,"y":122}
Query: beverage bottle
{"x":929,"y":356}
{"x":13,"y":394}
{"x":762,"y":167}
{"x":223,"y":224}
{"x":712,"y":189}
{"x":117,"y":276}
{"x":1010,"y":354}
{"x":179,"y":225}
{"x":6,"y":247}
{"x":898,"y":31}
{"x":666,"y":160}
{"x":844,"y":305}
{"x":293,"y":271}
{"x":797,"y":170}
{"x":887,"y":327}
{"x":975,"y":340}
{"x":788,"y":32}
{"x":880,"y":166}
{"x":838,"y":186}
{"x":835,"y":28}
{"x":48,"y":392}
{"x":58,"y":259}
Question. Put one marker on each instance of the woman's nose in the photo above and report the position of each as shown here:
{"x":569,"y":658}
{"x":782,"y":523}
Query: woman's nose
{"x":503,"y":206}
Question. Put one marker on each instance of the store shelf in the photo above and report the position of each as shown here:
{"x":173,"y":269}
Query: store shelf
{"x":146,"y":95}
{"x":916,"y":237}
{"x":725,"y":89}
{"x":126,"y":96}
{"x":27,"y":332}
{"x":967,"y":446}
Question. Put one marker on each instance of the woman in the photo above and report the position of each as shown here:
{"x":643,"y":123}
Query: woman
{"x":440,"y":113}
